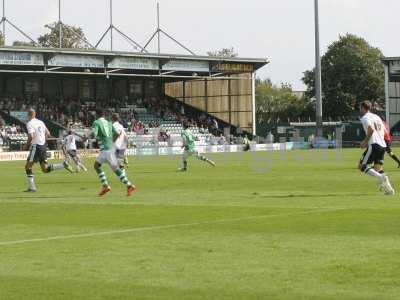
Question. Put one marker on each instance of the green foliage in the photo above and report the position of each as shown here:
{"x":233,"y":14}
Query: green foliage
{"x":72,"y":37}
{"x":224,"y":52}
{"x":23,"y":44}
{"x":1,"y":39}
{"x":274,"y":103}
{"x":351,"y":73}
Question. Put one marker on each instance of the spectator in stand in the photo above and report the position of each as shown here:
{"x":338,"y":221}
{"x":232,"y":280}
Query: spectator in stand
{"x":13,"y":129}
{"x":139,"y":128}
{"x":202,"y":129}
{"x":3,"y":134}
{"x":222,"y":140}
{"x":163,"y":136}
{"x":215,"y":124}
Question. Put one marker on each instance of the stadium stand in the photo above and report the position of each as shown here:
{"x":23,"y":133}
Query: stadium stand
{"x":149,"y":122}
{"x":11,"y":136}
{"x":153,"y":94}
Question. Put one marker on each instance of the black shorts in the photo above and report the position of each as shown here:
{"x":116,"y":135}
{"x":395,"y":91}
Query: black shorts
{"x":72,"y":153}
{"x":374,"y":154}
{"x":37,"y":153}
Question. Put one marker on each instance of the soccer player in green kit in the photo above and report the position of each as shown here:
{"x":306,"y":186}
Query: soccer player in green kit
{"x":106,"y":135}
{"x":189,"y":146}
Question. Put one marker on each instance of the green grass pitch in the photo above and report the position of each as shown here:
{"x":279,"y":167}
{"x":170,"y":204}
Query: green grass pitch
{"x":292,"y":225}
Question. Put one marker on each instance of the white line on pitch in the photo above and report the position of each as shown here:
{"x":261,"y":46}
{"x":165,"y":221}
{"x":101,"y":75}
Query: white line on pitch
{"x":158,"y":227}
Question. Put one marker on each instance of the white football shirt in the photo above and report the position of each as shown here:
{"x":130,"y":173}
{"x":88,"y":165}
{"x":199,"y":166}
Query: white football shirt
{"x":122,"y":142}
{"x":37,"y":130}
{"x":70,"y":142}
{"x":373,"y":120}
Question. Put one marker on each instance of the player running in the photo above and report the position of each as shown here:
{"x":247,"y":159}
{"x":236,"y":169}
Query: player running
{"x":388,"y":141}
{"x":37,"y":137}
{"x":70,"y":153}
{"x":106,"y":134}
{"x":121,"y":143}
{"x":189,"y":149}
{"x":376,"y":146}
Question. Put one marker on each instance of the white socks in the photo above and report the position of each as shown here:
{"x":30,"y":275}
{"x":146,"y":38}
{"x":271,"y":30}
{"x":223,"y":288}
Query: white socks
{"x":81,"y":166}
{"x":57,"y":166}
{"x":31,"y":183}
{"x":372,"y":172}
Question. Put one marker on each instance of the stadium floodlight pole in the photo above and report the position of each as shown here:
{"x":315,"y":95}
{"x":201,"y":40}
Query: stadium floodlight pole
{"x":318,"y":81}
{"x":110,"y":30}
{"x":111,"y":25}
{"x":59,"y":26}
{"x":158,"y":32}
{"x":102,"y":37}
{"x":75,"y":34}
{"x":253,"y":102}
{"x":158,"y":28}
{"x":4,"y":20}
{"x":59,"y":22}
{"x":176,"y":41}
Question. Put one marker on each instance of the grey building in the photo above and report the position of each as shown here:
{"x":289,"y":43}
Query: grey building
{"x":392,"y":90}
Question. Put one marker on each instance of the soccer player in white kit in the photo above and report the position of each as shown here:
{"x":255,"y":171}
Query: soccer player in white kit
{"x":121,"y":144}
{"x":70,"y":151}
{"x":37,"y":136}
{"x":376,"y":147}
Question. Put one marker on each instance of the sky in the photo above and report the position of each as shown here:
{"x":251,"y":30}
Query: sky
{"x":280,"y":30}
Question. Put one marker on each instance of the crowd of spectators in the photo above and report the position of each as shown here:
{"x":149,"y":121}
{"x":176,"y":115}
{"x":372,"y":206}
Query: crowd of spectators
{"x":8,"y":133}
{"x":78,"y":113}
{"x":67,"y":111}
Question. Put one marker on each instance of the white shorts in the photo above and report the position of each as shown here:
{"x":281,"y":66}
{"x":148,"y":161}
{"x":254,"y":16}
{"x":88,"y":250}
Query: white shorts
{"x":187,"y":154}
{"x":108,"y":156}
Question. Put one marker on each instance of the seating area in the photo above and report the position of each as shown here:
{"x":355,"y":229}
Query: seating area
{"x":12,"y":137}
{"x":148,"y":122}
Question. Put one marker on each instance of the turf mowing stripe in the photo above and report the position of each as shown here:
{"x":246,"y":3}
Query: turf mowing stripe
{"x":160,"y":227}
{"x":164,"y":204}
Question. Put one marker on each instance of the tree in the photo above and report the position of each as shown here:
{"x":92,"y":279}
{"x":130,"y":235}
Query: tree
{"x":23,"y":44}
{"x":72,"y":37}
{"x":274,"y":103}
{"x":2,"y":42}
{"x":224,"y":52}
{"x":351,"y":73}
